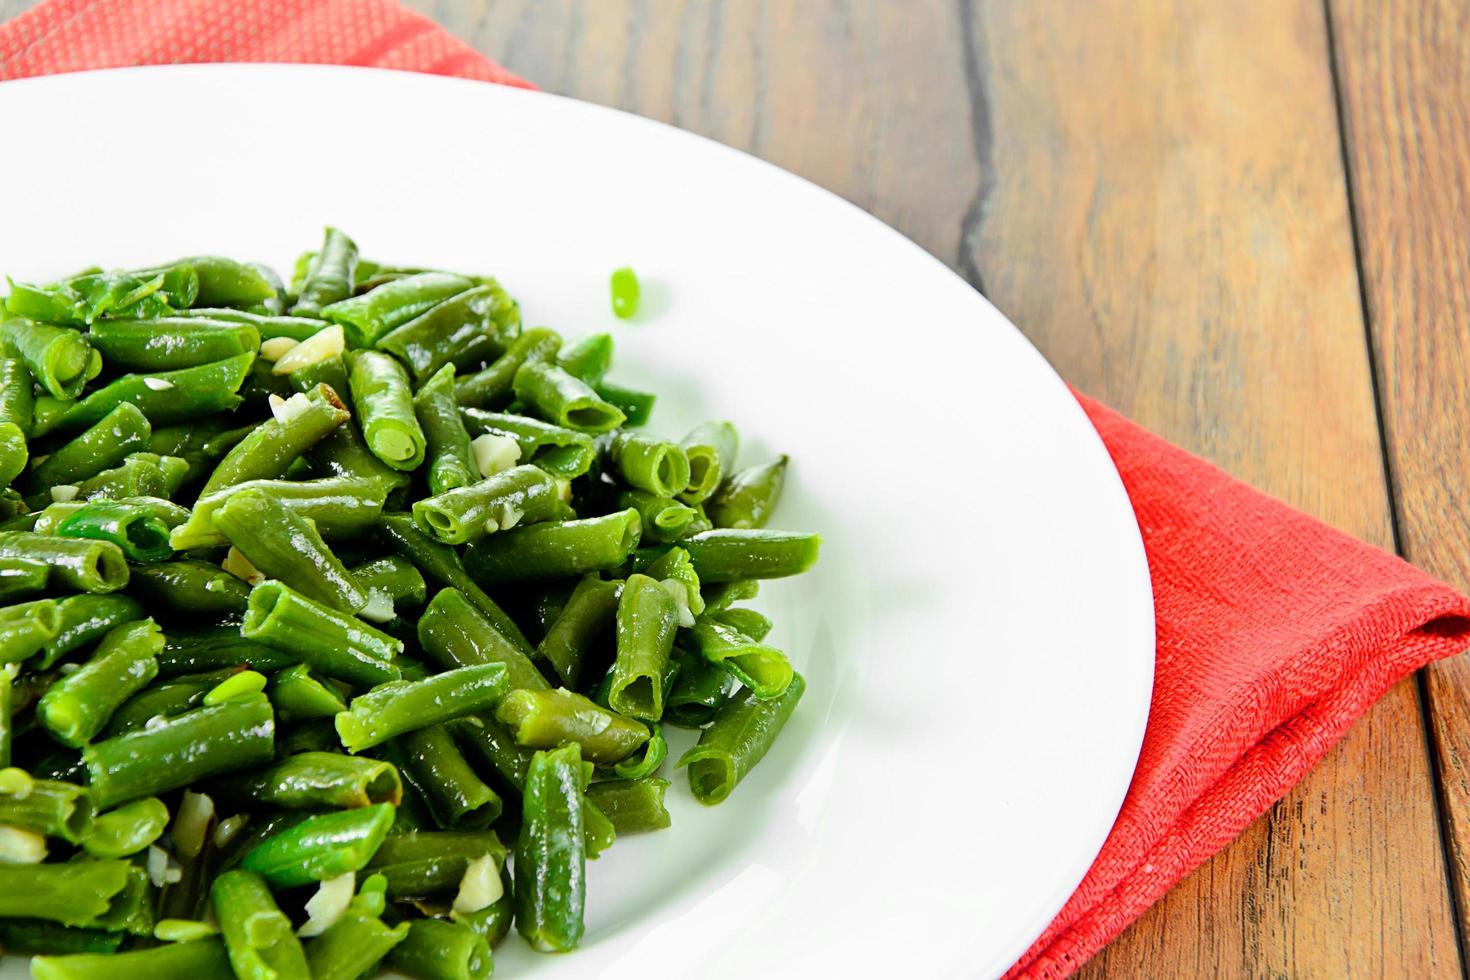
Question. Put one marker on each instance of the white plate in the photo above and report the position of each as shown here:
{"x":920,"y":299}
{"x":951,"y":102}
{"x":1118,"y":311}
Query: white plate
{"x":978,"y":636}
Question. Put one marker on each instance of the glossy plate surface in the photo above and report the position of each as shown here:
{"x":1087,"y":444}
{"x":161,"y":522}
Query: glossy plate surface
{"x":978,"y":637}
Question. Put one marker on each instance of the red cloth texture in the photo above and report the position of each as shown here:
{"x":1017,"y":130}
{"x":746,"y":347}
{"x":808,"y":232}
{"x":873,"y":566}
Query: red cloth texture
{"x":1275,"y":632}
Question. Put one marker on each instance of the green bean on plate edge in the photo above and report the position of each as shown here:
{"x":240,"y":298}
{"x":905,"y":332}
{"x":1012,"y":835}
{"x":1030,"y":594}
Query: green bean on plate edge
{"x":343,"y":619}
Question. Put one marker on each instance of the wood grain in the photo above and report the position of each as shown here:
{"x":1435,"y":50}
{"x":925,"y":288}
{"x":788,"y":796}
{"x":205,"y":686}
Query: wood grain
{"x":1153,"y":191}
{"x":1404,"y":69}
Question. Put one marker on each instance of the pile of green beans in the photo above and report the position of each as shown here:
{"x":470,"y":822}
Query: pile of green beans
{"x":342,"y":620}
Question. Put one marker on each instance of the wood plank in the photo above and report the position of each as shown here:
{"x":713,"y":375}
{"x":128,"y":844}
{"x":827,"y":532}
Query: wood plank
{"x":1404,"y":70}
{"x":1169,"y":248}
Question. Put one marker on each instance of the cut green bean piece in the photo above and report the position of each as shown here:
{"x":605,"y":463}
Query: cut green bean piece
{"x":562,"y":399}
{"x":216,"y":647}
{"x":551,"y":719}
{"x":442,"y":563}
{"x":258,"y":936}
{"x":202,"y":959}
{"x":395,"y":577}
{"x":298,"y":696}
{"x":329,"y":278}
{"x":674,"y":569}
{"x":127,"y":829}
{"x":634,"y":806}
{"x":478,"y":325}
{"x":132,"y":526}
{"x":167,"y":344}
{"x":712,"y":449}
{"x":646,"y":620}
{"x":48,"y":939}
{"x":56,"y":357}
{"x":554,"y":549}
{"x":647,"y":760}
{"x":664,"y":518}
{"x":491,"y":923}
{"x":403,"y":706}
{"x":455,"y":793}
{"x":222,"y":281}
{"x":492,"y":387}
{"x":353,"y":946}
{"x":200,"y":743}
{"x":321,"y":847}
{"x":589,"y":358}
{"x":661,"y":468}
{"x":315,"y":781}
{"x":384,"y":405}
{"x":729,"y":555}
{"x":636,"y":405}
{"x":298,"y":328}
{"x":370,"y":315}
{"x":283,"y":545}
{"x":561,"y":452}
{"x":22,"y":576}
{"x":77,"y":707}
{"x":422,"y":864}
{"x":762,"y":668}
{"x":267,"y":452}
{"x":74,"y":894}
{"x":122,"y":431}
{"x":339,"y":506}
{"x":551,"y":861}
{"x":451,"y":459}
{"x":49,"y":807}
{"x":166,"y":397}
{"x":190,"y":586}
{"x":699,"y":690}
{"x":331,"y":643}
{"x":739,"y":737}
{"x":167,"y":700}
{"x":453,"y":633}
{"x":140,"y":475}
{"x":588,"y":613}
{"x":439,"y":950}
{"x":238,"y":685}
{"x":27,"y":627}
{"x":521,"y":495}
{"x":747,"y":499}
{"x":17,"y":414}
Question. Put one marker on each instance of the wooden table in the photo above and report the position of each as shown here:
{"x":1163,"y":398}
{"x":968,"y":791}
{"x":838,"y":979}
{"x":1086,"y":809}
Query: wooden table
{"x":1241,"y":223}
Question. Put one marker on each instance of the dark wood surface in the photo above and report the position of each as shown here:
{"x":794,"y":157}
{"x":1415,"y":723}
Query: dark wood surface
{"x":1242,"y":224}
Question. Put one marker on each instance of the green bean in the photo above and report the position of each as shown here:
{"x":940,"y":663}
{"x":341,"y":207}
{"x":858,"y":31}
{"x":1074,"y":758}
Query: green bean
{"x":339,"y":507}
{"x":85,"y":619}
{"x":203,"y":742}
{"x":588,"y":613}
{"x":17,"y":408}
{"x":384,"y":404}
{"x":712,"y":449}
{"x":420,"y":864}
{"x":494,"y":746}
{"x":131,"y":526}
{"x":314,"y":781}
{"x":747,"y":499}
{"x":353,"y":946}
{"x":727,"y":555}
{"x":762,"y":668}
{"x":56,"y":357}
{"x":215,"y":647}
{"x":664,"y":519}
{"x":223,"y":282}
{"x":170,"y":343}
{"x":22,"y":576}
{"x":551,"y":863}
{"x":395,"y":577}
{"x":330,"y":275}
{"x":345,"y":454}
{"x":561,"y":452}
{"x":636,"y":405}
{"x":550,"y":719}
{"x":562,"y":399}
{"x":442,"y":563}
{"x":258,"y":936}
{"x":286,"y":546}
{"x":28,"y":936}
{"x":646,"y":620}
{"x":74,"y":894}
{"x":625,"y":293}
{"x":77,"y":707}
{"x":87,"y":566}
{"x":451,"y":460}
{"x":747,"y":621}
{"x":237,"y":685}
{"x":329,"y":371}
{"x":202,"y":959}
{"x":588,"y":359}
{"x":104,"y":445}
{"x":738,"y":738}
{"x":521,"y":495}
{"x":477,"y":325}
{"x":647,"y":760}
{"x":190,"y":585}
{"x":298,"y":328}
{"x":201,"y":445}
{"x":7,"y":719}
{"x":329,"y":642}
{"x":127,"y":829}
{"x":634,"y":806}
{"x":139,"y":475}
{"x":674,"y":569}
{"x":27,"y":627}
{"x":491,"y":923}
{"x":554,"y":549}
{"x":321,"y":847}
{"x":167,"y":700}
{"x":298,"y":696}
{"x":49,"y":807}
{"x":401,"y":706}
{"x":166,"y":397}
{"x":698,"y":692}
{"x":273,"y":446}
{"x":370,"y":315}
{"x":439,"y":950}
{"x":660,"y":468}
{"x":454,"y":792}
{"x":453,"y":633}
{"x":492,"y":387}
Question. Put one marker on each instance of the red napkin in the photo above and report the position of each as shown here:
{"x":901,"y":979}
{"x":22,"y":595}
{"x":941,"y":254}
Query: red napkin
{"x":1275,"y":632}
